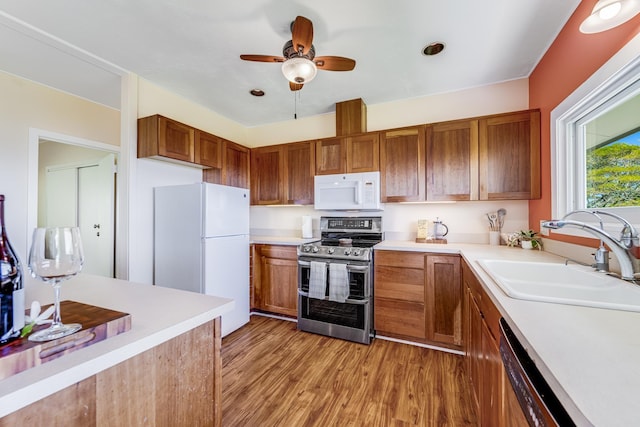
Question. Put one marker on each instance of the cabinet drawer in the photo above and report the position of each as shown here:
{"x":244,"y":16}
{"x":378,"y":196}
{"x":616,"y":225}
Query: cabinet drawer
{"x":399,"y":259}
{"x":399,"y":317}
{"x":399,"y":283}
{"x":281,"y":252}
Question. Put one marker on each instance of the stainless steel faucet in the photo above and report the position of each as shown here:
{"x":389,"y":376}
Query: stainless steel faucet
{"x":629,"y":264}
{"x":601,"y":256}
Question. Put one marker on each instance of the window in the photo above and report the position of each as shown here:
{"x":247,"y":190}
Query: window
{"x":613,"y":172}
{"x":595,"y":142}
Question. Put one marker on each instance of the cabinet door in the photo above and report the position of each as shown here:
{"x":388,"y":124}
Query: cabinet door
{"x":299,"y":167}
{"x":235,"y":165}
{"x":491,"y":390}
{"x":277,"y":280}
{"x":266,"y":175}
{"x":161,"y":136}
{"x":331,"y":156}
{"x":363,"y":153}
{"x":208,"y":149}
{"x":402,"y":177}
{"x":444,"y":299}
{"x":474,"y":347}
{"x":399,"y":294}
{"x":452,"y":160}
{"x":175,"y":140}
{"x":509,"y":146}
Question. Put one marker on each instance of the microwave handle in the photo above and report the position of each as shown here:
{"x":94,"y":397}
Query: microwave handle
{"x":359,"y":193}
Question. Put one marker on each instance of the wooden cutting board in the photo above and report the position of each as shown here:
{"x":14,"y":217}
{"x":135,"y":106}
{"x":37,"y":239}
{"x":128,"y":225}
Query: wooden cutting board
{"x":97,"y":323}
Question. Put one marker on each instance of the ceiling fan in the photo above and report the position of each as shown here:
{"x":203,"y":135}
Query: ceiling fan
{"x":299,"y":61}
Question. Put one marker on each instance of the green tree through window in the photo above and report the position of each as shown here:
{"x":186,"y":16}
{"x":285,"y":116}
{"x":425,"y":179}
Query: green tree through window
{"x":613,"y":175}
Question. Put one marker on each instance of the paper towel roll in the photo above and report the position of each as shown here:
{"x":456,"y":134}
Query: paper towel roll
{"x":307,"y":229}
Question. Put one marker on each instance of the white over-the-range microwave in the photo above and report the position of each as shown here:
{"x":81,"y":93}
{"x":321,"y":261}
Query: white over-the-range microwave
{"x":348,"y":192}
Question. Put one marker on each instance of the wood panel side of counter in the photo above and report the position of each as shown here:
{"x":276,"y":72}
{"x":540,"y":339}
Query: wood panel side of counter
{"x":175,"y":383}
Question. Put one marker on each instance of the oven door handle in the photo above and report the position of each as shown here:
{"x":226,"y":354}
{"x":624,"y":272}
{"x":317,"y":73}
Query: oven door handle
{"x":350,"y":267}
{"x":347,"y":301}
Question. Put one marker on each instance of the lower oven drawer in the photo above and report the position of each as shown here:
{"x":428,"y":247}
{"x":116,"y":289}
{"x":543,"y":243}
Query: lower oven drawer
{"x":335,"y":313}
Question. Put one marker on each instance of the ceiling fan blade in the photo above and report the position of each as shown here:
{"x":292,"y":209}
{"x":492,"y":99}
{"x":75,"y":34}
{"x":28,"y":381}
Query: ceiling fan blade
{"x":334,"y":63}
{"x":302,"y":34}
{"x":294,"y":86}
{"x":262,"y":58}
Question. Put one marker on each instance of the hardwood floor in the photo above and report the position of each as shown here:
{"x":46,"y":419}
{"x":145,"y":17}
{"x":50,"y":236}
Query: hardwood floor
{"x":274,"y":375}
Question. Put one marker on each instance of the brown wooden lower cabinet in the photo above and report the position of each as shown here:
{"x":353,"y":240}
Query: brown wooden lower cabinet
{"x":177,"y":383}
{"x":275,"y":279}
{"x":496,"y":400}
{"x":418,"y":297}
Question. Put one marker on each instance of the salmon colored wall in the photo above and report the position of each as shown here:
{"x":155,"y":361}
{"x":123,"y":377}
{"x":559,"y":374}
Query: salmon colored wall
{"x":570,"y":61}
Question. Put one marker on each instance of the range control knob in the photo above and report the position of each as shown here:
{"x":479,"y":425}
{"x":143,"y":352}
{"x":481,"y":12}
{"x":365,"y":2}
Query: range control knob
{"x":331,"y":250}
{"x":356,"y":252}
{"x":347,"y":251}
{"x":314,"y":249}
{"x":306,"y":248}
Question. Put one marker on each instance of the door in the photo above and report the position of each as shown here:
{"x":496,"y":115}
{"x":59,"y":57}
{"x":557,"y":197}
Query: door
{"x":62,"y":193}
{"x":84,"y":196}
{"x":96,"y":207}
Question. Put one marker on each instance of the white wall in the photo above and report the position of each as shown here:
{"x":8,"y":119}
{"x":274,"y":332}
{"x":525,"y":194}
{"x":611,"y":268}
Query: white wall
{"x":27,"y":105}
{"x":479,"y":101}
{"x":467,"y":221}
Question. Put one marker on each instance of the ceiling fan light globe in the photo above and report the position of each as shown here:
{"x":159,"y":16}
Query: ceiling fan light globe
{"x":299,"y":70}
{"x":608,"y":14}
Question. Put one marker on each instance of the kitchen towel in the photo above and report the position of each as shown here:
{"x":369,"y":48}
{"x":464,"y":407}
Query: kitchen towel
{"x":318,"y":280}
{"x":338,"y":282}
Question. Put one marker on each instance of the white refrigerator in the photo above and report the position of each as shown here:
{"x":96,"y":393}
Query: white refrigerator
{"x":201,"y":244}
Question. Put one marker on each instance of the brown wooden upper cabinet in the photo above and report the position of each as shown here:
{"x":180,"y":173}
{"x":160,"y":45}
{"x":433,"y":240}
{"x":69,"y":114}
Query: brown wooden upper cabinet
{"x":402,"y":164}
{"x":358,"y":153}
{"x":299,"y":167}
{"x":267,"y":169}
{"x":452,"y":160}
{"x":509,"y":151}
{"x":234,"y":165}
{"x":283,"y":174}
{"x":331,"y":156}
{"x":208,"y":149}
{"x":363,"y":153}
{"x":159,"y":136}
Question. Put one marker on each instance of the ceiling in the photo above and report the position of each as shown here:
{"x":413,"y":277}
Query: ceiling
{"x":192,"y":48}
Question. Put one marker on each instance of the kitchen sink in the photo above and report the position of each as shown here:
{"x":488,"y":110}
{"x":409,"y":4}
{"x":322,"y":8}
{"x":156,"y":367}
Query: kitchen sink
{"x":562,"y":284}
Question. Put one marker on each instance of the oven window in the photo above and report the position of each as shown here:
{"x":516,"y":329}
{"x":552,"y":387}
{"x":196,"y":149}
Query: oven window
{"x":358,"y":288}
{"x":336,"y":313}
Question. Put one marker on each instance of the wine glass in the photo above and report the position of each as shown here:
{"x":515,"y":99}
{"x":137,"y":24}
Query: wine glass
{"x":56,"y":255}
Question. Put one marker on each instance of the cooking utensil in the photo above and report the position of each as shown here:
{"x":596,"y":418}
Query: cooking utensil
{"x":501,"y":213}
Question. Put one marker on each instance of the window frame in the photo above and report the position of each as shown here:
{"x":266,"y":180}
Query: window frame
{"x":615,"y":82}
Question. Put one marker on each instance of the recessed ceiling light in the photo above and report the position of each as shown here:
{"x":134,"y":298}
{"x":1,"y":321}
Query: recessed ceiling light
{"x":256,"y":92}
{"x":433,"y":48}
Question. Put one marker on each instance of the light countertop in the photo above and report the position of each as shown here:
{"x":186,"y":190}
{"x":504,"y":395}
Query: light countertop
{"x":281,"y":240}
{"x":589,"y":356}
{"x":157,"y":315}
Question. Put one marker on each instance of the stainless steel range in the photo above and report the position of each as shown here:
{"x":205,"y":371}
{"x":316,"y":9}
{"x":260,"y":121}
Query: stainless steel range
{"x":335,"y":279}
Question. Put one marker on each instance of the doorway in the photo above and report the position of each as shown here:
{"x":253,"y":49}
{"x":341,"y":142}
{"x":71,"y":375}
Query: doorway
{"x":77,"y":187}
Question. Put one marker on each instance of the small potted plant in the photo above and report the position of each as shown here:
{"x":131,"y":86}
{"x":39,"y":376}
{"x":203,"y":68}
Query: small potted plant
{"x":529,"y":239}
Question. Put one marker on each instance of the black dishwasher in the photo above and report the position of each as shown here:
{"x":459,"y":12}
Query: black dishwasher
{"x":540,"y":405}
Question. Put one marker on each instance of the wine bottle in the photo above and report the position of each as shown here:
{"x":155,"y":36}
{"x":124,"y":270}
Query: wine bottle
{"x":11,"y":287}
